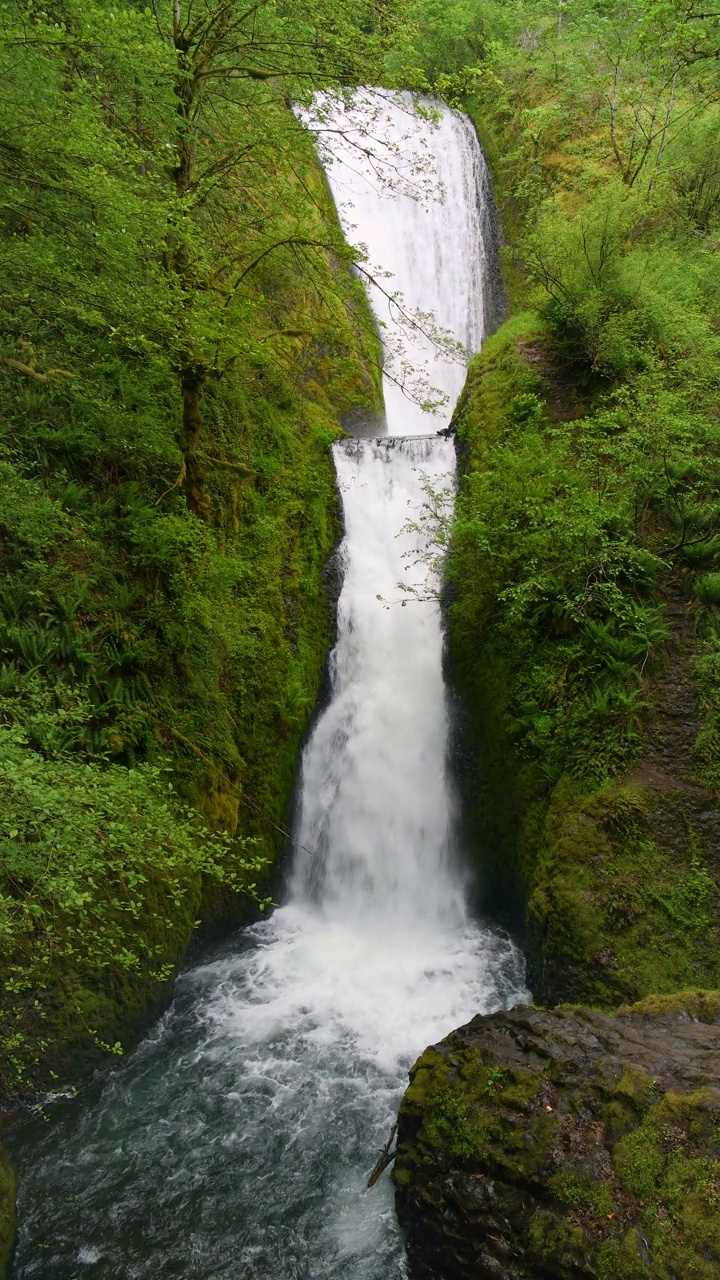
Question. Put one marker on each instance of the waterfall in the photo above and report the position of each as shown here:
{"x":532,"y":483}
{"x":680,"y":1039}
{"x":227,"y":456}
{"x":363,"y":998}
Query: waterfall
{"x":238,"y":1139}
{"x":377,"y":804}
{"x":377,"y":809}
{"x":420,"y":206}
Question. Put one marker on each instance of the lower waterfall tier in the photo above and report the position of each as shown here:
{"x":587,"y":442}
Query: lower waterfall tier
{"x":239,"y":1138}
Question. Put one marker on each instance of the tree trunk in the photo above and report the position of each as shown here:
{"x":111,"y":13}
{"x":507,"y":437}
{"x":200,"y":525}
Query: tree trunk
{"x":188,"y":437}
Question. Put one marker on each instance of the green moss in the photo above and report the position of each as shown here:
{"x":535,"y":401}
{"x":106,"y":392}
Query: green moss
{"x":519,"y":1089}
{"x":571,"y":1189}
{"x":135,"y":636}
{"x":703,"y":1006}
{"x":622,"y":1258}
{"x":622,"y":894}
{"x":555,"y":1245}
{"x":555,"y":638}
{"x":420,"y":1076}
{"x":468,"y":1108}
{"x":501,"y":386}
{"x":671,"y":1165}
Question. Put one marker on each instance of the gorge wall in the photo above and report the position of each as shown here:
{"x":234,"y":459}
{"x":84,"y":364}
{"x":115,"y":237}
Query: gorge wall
{"x":579,"y":654}
{"x":159,"y":666}
{"x":582,"y":635}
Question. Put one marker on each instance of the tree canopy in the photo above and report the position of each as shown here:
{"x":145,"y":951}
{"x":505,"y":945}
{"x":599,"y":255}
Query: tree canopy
{"x":151,"y":167}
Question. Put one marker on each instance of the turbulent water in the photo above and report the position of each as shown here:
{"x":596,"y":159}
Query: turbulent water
{"x":237,"y":1140}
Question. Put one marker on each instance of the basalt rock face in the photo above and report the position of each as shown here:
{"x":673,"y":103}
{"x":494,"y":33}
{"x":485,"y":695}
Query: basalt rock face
{"x":7,"y":1214}
{"x":566,"y":1143}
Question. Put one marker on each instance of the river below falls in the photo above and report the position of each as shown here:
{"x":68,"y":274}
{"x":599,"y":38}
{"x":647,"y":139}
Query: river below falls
{"x":238,"y":1139}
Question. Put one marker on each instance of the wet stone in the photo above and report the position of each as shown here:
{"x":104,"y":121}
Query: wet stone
{"x":566,"y":1143}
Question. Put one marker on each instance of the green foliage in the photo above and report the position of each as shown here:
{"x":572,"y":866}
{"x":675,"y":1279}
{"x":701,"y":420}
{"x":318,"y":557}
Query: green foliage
{"x":180,"y":337}
{"x":102,"y":869}
{"x":707,"y":588}
{"x":494,"y":1079}
{"x":545,"y":545}
{"x":694,"y":165}
{"x":438,"y":38}
{"x":618,"y":308}
{"x":155,"y":183}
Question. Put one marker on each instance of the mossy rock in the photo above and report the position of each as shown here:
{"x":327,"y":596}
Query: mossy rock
{"x":7,"y":1214}
{"x":566,"y":1143}
{"x":622,"y":898}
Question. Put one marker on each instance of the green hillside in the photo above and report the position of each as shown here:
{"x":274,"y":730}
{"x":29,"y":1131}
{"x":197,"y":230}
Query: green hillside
{"x":180,"y":338}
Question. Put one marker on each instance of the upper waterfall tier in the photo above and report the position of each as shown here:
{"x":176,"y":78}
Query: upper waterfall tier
{"x":413,"y":190}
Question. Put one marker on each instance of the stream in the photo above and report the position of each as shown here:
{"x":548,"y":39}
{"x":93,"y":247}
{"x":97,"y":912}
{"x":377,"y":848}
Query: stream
{"x":236,"y":1141}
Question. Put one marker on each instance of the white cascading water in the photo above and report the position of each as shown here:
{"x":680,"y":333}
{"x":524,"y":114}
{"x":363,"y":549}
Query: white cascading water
{"x":376,"y":806}
{"x":419,"y":205}
{"x":239,"y":1138}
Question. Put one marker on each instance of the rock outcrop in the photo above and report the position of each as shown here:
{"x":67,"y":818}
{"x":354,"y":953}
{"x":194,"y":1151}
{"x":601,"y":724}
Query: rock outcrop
{"x":7,"y":1214}
{"x":566,"y":1143}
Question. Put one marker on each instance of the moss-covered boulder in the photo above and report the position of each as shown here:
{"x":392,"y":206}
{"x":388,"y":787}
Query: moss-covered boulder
{"x":7,"y":1214}
{"x":566,"y":1143}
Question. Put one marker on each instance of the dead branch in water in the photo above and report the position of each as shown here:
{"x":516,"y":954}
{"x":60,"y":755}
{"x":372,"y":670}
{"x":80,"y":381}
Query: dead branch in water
{"x":387,"y":1156}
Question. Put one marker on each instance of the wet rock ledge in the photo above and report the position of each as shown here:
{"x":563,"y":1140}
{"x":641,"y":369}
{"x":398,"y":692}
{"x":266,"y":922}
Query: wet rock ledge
{"x":7,"y":1213}
{"x":566,"y":1143}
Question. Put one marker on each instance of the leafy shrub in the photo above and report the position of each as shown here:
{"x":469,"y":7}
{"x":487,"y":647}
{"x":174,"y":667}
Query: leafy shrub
{"x":707,"y":588}
{"x":550,"y":575}
{"x":694,"y":168}
{"x":102,"y":871}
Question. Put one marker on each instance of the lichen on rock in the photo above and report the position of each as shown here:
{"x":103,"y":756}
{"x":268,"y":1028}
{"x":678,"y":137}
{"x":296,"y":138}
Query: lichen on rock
{"x":564,"y":1143}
